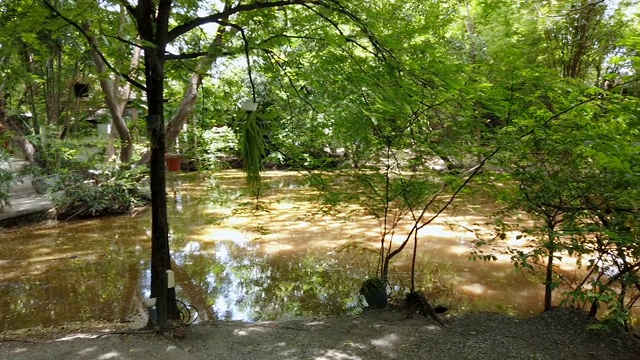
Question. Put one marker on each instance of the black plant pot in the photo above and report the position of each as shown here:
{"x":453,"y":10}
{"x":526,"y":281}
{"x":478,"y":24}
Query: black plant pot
{"x":374,"y":291}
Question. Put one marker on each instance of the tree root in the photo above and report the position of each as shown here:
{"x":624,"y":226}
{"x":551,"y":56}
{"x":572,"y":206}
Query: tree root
{"x":417,"y":301}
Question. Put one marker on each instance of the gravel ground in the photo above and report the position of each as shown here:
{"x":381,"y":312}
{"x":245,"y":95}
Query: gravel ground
{"x":559,"y":334}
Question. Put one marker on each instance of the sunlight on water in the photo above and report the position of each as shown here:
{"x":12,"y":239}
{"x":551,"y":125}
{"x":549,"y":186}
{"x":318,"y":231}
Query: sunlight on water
{"x":233,"y":262}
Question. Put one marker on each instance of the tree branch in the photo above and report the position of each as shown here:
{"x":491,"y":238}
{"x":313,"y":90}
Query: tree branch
{"x":335,"y":5}
{"x":337,"y":27}
{"x":130,"y":9}
{"x":272,"y":56}
{"x":189,"y":25}
{"x":185,"y":56}
{"x":286,"y":36}
{"x":128,"y":42}
{"x":246,"y":52}
{"x":93,"y":46}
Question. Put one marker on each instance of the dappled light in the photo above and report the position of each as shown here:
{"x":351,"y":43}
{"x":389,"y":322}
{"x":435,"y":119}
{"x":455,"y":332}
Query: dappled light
{"x":87,"y":351}
{"x":234,"y":262}
{"x":247,"y":330}
{"x":109,"y":355}
{"x":387,"y":343}
{"x":336,"y":355}
{"x":77,"y":336}
{"x":476,"y":289}
{"x":236,"y":236}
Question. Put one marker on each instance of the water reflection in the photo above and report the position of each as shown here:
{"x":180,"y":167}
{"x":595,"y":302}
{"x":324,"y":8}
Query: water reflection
{"x":239,"y":281}
{"x":232,"y":262}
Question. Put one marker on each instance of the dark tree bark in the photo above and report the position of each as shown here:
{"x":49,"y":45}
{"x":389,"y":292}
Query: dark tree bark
{"x":153,"y":26}
{"x":548,"y":280}
{"x":551,"y":247}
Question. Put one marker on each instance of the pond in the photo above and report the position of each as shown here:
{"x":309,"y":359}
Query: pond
{"x":235,"y":262}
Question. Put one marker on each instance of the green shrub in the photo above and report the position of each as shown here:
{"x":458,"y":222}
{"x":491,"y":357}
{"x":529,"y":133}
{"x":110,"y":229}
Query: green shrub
{"x":6,"y":178}
{"x":92,"y":193}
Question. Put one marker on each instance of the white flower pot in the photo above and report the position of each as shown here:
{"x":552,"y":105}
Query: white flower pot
{"x":249,"y":106}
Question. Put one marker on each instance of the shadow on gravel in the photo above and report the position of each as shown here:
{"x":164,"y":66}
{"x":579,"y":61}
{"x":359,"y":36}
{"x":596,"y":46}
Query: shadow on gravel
{"x":559,"y":334}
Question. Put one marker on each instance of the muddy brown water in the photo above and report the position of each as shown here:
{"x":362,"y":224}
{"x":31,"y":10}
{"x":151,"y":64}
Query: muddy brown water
{"x":233,"y":262}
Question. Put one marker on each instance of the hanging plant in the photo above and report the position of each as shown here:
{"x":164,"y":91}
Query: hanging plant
{"x":253,"y":151}
{"x":253,"y":148}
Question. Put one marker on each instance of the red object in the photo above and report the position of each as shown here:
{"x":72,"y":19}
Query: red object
{"x":173,"y":162}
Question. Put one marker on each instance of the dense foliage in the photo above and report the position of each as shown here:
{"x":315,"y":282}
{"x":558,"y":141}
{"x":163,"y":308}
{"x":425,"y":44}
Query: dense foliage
{"x":82,"y":194}
{"x":6,"y":179}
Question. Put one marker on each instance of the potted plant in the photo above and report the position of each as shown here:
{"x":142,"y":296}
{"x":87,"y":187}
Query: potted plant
{"x":173,"y":161}
{"x":374,"y":291}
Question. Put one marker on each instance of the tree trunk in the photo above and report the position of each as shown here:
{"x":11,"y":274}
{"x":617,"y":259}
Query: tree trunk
{"x":153,"y":27}
{"x":32,"y":88}
{"x":51,"y":95}
{"x":125,"y":90}
{"x":11,"y":123}
{"x":111,"y":98}
{"x":184,"y":113}
{"x":190,"y":97}
{"x":160,"y":255}
{"x":548,"y":281}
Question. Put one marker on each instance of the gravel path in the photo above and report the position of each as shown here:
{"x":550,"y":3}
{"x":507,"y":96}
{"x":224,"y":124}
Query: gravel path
{"x":559,"y":334}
